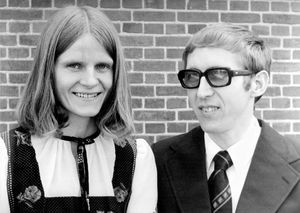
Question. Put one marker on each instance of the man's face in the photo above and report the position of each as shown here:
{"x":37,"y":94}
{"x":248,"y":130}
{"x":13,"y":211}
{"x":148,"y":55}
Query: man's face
{"x":224,"y":109}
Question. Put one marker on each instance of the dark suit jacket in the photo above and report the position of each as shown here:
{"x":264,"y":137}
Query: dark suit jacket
{"x":272,"y":182}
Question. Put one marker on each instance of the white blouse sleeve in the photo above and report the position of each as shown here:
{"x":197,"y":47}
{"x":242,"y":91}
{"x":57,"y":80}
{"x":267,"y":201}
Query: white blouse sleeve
{"x":3,"y":178}
{"x":144,"y":185}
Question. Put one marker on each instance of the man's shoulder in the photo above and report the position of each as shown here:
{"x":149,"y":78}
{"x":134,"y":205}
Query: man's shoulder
{"x":162,"y":146}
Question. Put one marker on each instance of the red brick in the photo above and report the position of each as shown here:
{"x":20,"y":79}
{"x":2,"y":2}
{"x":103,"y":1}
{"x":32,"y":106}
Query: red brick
{"x":154,"y":103}
{"x":7,"y":116}
{"x":175,"y":29}
{"x":217,"y":5}
{"x":37,"y":27}
{"x":175,"y":4}
{"x":239,"y":5}
{"x":186,"y":115}
{"x":273,"y":91}
{"x":134,"y":4}
{"x":263,"y":103}
{"x":142,"y":91}
{"x":3,"y":27}
{"x":295,"y":30}
{"x":3,"y":3}
{"x":155,"y":127}
{"x":170,"y":91}
{"x":41,"y":3}
{"x":281,"y":19}
{"x":118,"y":15}
{"x":133,"y":53}
{"x":110,"y":4}
{"x":13,"y":102}
{"x":259,"y":5}
{"x":281,"y":54}
{"x":11,"y":91}
{"x":193,"y":28}
{"x":196,"y":5}
{"x":192,"y":125}
{"x":136,"y":103}
{"x":296,"y":102}
{"x":291,"y":43}
{"x":154,"y":78}
{"x":261,"y":30}
{"x":18,"y":52}
{"x":272,"y":42}
{"x":132,"y":27}
{"x":117,"y":27}
{"x":281,"y":79}
{"x":240,"y":17}
{"x":138,"y":127}
{"x":157,"y":16}
{"x":285,"y":66}
{"x":154,"y":66}
{"x":154,"y":28}
{"x":136,"y":40}
{"x":296,"y":54}
{"x":150,"y":139}
{"x":157,"y":115}
{"x":296,"y":79}
{"x":3,"y":78}
{"x":29,"y":40}
{"x":292,"y":91}
{"x":17,"y":27}
{"x":13,"y":125}
{"x":282,"y":126}
{"x":175,"y":103}
{"x":176,"y":127}
{"x":18,"y":3}
{"x":281,"y":114}
{"x":17,"y":14}
{"x":280,"y":30}
{"x":171,"y":41}
{"x":19,"y":65}
{"x":3,"y":103}
{"x":175,"y":53}
{"x":296,"y":127}
{"x":295,"y":6}
{"x":92,"y":3}
{"x":157,"y":53}
{"x":281,"y":103}
{"x":19,"y":78}
{"x":202,"y":17}
{"x":157,"y":4}
{"x":280,"y":6}
{"x":50,"y":12}
{"x":2,"y":52}
{"x":8,"y":40}
{"x":64,"y":3}
{"x":172,"y":78}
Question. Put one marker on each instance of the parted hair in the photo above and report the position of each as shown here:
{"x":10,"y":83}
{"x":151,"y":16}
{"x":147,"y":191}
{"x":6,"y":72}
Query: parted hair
{"x":39,"y":110}
{"x":256,"y":55}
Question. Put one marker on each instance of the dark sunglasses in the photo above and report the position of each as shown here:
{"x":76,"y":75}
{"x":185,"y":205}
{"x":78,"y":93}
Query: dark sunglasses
{"x":216,"y":77}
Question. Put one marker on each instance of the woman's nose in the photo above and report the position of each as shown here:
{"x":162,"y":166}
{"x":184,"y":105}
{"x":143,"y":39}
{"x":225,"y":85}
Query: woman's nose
{"x":89,"y":78}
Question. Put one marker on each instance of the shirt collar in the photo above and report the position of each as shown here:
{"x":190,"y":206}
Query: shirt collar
{"x":241,"y":152}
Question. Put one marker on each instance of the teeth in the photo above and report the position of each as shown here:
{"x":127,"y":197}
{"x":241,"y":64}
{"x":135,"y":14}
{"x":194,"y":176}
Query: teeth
{"x":209,"y":109}
{"x":86,"y":95}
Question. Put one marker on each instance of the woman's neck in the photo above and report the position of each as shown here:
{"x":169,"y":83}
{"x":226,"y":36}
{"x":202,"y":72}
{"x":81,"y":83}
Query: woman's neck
{"x":80,"y":127}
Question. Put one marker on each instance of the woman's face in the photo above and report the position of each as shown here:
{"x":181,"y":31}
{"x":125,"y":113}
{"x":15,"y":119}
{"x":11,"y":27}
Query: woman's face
{"x":83,"y":77}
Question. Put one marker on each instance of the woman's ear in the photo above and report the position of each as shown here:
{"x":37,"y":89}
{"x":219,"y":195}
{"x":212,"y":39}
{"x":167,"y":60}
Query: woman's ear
{"x":260,"y":83}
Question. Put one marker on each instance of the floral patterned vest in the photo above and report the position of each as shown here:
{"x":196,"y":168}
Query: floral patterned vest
{"x":25,"y":190}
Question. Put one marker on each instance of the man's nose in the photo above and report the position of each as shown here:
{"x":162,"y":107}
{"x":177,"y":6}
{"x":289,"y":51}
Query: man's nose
{"x":204,"y":89}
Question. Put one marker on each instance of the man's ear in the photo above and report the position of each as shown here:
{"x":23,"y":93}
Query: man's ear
{"x":260,"y":83}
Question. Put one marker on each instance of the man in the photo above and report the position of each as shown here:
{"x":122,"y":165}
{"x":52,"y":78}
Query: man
{"x":232,"y":162}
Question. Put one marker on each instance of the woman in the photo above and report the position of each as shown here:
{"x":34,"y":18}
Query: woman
{"x":73,"y":151}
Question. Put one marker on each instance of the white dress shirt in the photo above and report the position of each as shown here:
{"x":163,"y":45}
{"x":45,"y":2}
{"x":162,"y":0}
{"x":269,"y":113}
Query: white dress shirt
{"x":241,"y":154}
{"x":59,"y":176}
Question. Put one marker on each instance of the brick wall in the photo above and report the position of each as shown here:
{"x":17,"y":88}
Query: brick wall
{"x":153,"y":33}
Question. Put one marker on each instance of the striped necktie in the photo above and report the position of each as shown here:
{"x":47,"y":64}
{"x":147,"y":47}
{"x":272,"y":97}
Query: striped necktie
{"x":218,"y":184}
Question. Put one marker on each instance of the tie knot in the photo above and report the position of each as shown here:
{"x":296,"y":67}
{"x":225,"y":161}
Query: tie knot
{"x":222,"y":160}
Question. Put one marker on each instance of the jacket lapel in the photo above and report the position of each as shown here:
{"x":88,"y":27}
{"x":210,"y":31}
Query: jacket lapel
{"x":187,"y":171}
{"x":270,"y":178}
